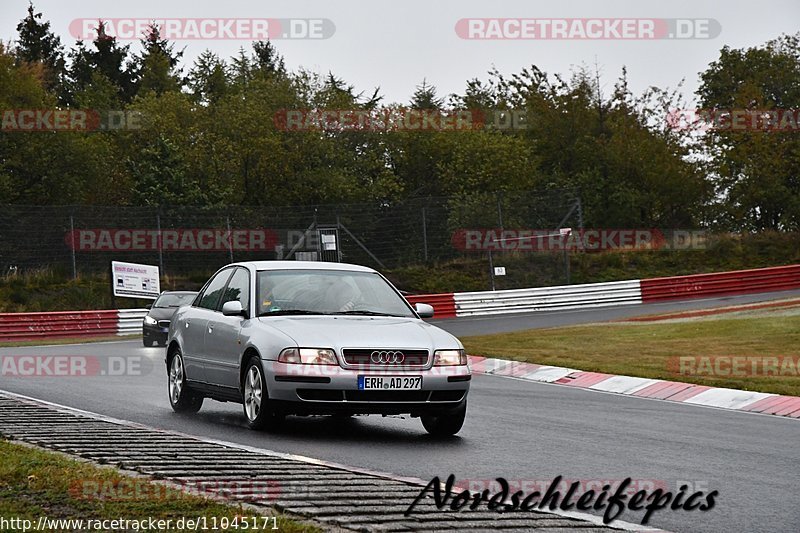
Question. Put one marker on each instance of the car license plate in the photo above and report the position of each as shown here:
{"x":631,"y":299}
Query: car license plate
{"x":164,"y":330}
{"x":389,"y":382}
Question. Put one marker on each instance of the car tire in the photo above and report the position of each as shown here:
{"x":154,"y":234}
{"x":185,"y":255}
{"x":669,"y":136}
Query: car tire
{"x":255,"y":398}
{"x":147,"y":343}
{"x":445,"y":424}
{"x":182,"y":398}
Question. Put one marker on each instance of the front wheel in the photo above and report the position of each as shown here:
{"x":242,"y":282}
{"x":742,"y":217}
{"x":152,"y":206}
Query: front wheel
{"x":447,"y":423}
{"x":257,"y":409}
{"x":181,"y":397}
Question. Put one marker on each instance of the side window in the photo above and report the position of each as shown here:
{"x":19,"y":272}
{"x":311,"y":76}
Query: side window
{"x":209,"y":298}
{"x":238,"y":288}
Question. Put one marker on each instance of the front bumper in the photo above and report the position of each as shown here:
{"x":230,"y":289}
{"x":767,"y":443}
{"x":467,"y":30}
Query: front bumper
{"x":320,"y":389}
{"x":155,"y":333}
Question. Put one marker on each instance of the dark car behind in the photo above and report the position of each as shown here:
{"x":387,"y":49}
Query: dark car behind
{"x":156,"y":323}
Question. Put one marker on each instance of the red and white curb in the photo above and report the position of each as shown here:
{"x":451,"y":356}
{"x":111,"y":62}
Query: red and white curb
{"x":657,"y":389}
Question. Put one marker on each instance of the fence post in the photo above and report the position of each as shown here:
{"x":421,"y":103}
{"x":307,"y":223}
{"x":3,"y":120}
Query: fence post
{"x":72,"y":239}
{"x":425,"y":233}
{"x":491,"y":269}
{"x":160,"y":246}
{"x":230,"y":238}
{"x":500,"y":209}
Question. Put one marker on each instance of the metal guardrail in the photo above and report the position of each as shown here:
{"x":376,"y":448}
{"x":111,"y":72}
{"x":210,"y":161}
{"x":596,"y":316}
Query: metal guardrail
{"x":129,"y":321}
{"x":33,"y":326}
{"x":65,"y":324}
{"x":548,"y":298}
{"x":444,"y":306}
{"x":721,"y":283}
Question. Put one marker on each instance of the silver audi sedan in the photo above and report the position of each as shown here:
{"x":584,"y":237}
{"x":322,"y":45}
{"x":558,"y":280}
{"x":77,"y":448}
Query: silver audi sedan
{"x":305,"y":338}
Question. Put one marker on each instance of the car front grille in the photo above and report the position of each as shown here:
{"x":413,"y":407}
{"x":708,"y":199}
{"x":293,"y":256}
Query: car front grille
{"x":362,"y":357}
{"x":379,"y":396}
{"x":163,"y":323}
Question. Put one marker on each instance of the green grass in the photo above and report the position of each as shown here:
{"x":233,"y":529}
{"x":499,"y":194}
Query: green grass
{"x":54,"y":290}
{"x":36,"y":483}
{"x":648,"y":349}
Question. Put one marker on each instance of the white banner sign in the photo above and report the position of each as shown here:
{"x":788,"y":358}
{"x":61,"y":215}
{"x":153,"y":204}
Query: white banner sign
{"x":131,"y":280}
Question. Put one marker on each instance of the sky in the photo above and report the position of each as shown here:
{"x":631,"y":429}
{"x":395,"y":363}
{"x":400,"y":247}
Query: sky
{"x":395,"y":45}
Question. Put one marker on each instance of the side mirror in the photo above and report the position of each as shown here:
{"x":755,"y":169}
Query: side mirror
{"x":424,"y":310}
{"x":232,"y":308}
{"x":148,"y":306}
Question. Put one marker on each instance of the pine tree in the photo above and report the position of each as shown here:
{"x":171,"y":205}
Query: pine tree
{"x":108,"y":61}
{"x":157,"y":66}
{"x":425,"y":97}
{"x":267,"y":59}
{"x":208,"y":79}
{"x":38,"y":45}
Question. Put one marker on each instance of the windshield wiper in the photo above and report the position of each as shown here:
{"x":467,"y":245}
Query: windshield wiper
{"x":366,"y":313}
{"x":285,"y":312}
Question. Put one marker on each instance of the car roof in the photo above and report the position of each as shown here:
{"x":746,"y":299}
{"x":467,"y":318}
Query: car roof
{"x":178,"y":292}
{"x":305,"y":265}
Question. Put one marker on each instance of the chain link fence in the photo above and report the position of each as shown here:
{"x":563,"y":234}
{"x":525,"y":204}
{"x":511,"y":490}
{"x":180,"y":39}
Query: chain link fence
{"x":192,"y":242}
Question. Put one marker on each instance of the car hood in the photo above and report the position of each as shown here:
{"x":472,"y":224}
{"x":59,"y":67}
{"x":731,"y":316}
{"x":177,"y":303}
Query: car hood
{"x":162,"y":313}
{"x":339,"y":332}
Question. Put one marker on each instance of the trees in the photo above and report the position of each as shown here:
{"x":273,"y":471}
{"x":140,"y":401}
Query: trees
{"x":38,"y":45}
{"x":156,"y":68}
{"x":102,"y":77}
{"x":212,"y":136}
{"x":756,"y":171}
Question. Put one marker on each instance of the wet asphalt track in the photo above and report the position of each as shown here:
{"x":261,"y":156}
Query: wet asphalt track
{"x":515,"y":429}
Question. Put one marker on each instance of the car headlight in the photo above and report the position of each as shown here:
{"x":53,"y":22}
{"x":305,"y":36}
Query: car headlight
{"x":449,"y":358}
{"x":150,"y":321}
{"x":308,"y":356}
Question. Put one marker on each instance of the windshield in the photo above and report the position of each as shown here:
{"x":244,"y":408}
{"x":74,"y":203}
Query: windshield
{"x":327,"y":292}
{"x":174,"y":300}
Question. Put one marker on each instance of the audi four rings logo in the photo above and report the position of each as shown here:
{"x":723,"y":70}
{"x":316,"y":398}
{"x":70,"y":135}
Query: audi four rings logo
{"x":387,"y":357}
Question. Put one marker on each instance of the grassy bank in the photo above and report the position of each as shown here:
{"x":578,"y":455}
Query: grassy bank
{"x":722,"y":253}
{"x":48,"y":290}
{"x":650,"y":350}
{"x":36,"y":483}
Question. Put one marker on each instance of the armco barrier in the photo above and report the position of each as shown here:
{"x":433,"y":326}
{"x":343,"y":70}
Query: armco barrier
{"x":722,"y":283}
{"x":548,"y":298}
{"x":443,"y":304}
{"x":33,"y":326}
{"x":129,"y":321}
